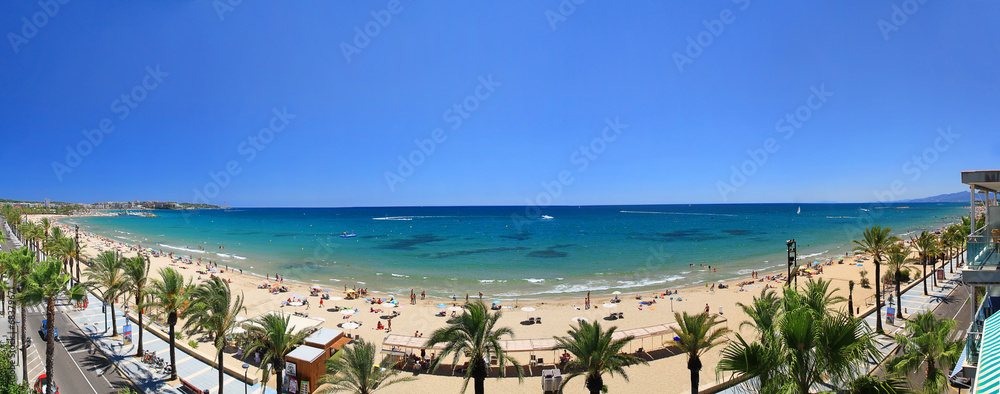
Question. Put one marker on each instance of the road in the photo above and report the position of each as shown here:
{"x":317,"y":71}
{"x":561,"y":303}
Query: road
{"x":79,"y":367}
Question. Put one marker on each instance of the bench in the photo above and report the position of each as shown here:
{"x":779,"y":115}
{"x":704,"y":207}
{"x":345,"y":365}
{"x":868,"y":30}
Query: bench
{"x":191,"y":388}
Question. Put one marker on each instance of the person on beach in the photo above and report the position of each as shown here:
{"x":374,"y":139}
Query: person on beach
{"x":707,"y":308}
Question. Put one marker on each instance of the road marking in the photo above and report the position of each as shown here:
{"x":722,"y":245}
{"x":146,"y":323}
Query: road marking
{"x":81,"y":371}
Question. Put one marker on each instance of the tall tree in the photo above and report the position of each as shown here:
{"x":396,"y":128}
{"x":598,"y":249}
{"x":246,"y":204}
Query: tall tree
{"x":108,"y":279}
{"x":925,"y":245}
{"x":215,"y":310}
{"x":135,"y":271}
{"x":475,"y":333}
{"x":16,"y":266}
{"x":895,"y":263}
{"x":272,"y":335}
{"x":170,"y":295}
{"x":46,"y":283}
{"x":595,"y":353}
{"x":697,"y":335}
{"x":876,"y":241}
{"x":927,"y":340}
{"x":355,"y":371}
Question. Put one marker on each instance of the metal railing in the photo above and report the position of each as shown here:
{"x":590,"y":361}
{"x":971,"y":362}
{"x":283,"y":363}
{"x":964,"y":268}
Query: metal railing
{"x":982,"y":253}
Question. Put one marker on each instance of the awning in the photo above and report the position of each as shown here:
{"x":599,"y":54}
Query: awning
{"x":988,"y":375}
{"x":961,"y":360}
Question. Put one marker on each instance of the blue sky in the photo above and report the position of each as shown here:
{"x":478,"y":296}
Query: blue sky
{"x":519,"y":96}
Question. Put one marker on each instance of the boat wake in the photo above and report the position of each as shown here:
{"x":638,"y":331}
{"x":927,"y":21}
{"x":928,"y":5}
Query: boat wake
{"x":680,"y":213}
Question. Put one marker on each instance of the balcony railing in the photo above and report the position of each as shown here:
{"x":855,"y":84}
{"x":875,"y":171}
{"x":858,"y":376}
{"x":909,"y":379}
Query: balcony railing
{"x":974,"y":335}
{"x":982,"y":253}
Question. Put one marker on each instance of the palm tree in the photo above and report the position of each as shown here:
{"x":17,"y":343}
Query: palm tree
{"x":272,"y":335}
{"x":475,"y":333}
{"x":896,"y":262}
{"x":890,"y":384}
{"x":46,"y":283}
{"x":355,"y":371}
{"x":170,"y":295}
{"x":696,"y":337}
{"x":927,"y":339}
{"x":953,"y":240}
{"x":215,"y":309}
{"x":136,"y":277}
{"x":16,"y":266}
{"x":107,"y":277}
{"x":925,"y":244}
{"x":807,"y":346}
{"x":595,"y":353}
{"x":876,"y":241}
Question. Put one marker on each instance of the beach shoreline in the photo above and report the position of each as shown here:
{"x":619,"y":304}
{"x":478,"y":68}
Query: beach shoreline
{"x":558,"y":311}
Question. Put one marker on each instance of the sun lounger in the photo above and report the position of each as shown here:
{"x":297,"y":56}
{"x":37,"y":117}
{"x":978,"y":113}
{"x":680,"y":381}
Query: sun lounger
{"x":531,"y":320}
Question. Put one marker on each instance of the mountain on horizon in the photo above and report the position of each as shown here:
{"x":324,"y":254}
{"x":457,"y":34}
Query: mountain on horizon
{"x":950,"y":197}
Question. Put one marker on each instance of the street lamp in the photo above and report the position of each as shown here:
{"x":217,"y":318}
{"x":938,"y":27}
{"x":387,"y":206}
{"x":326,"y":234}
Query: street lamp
{"x":792,"y":256}
{"x":77,"y":257}
{"x":246,"y":368}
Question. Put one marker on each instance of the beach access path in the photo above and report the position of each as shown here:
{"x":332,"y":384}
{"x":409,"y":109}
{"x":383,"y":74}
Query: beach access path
{"x":148,"y":378}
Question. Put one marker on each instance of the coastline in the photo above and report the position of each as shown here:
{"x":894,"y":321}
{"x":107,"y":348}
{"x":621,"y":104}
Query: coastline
{"x":558,"y":312}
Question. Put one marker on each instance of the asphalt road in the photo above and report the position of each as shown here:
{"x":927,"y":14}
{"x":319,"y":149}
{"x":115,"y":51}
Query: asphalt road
{"x":79,"y":367}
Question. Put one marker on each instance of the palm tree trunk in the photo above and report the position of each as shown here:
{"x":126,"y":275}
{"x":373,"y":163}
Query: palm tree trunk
{"x":878,"y":295}
{"x":172,"y":319}
{"x":279,"y":369}
{"x":923,"y":262}
{"x":934,"y":274}
{"x":138,"y":310}
{"x":24,"y":342}
{"x":50,"y":342}
{"x":479,"y":376}
{"x":595,"y":384}
{"x":899,"y":302}
{"x":694,"y":365}
{"x":222,"y":376}
{"x":114,"y":321}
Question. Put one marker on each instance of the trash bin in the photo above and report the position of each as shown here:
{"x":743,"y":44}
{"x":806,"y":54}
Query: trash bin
{"x":551,"y":380}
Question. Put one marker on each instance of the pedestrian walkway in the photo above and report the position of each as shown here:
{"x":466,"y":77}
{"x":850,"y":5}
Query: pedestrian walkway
{"x":150,"y":379}
{"x":913,"y":302}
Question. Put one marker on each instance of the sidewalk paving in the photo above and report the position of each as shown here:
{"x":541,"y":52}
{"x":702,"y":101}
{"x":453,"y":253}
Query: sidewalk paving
{"x":149,"y":379}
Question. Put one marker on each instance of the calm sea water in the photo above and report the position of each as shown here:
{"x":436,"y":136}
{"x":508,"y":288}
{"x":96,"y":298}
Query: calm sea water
{"x":502,"y":252}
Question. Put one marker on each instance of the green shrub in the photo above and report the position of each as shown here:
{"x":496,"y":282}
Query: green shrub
{"x":193,"y":344}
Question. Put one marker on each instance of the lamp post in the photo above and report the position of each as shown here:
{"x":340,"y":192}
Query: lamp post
{"x":246,"y":368}
{"x":792,"y":256}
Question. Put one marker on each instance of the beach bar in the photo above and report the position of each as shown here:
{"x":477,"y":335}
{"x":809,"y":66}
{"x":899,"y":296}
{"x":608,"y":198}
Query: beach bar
{"x":328,"y":339}
{"x":303,"y":368}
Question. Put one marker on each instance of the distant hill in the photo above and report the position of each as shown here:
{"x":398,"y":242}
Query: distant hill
{"x":951,"y":197}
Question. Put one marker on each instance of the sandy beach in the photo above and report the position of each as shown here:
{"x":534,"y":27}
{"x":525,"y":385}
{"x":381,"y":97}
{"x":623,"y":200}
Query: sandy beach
{"x":666,"y":373}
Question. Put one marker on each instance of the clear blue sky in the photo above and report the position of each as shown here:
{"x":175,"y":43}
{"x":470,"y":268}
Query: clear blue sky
{"x":553,"y":90}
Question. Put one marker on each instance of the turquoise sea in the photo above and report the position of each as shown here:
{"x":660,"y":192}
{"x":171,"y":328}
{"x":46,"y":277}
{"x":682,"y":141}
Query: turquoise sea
{"x":515,"y":251}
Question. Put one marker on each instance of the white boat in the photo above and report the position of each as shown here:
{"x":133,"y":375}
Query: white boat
{"x":799,"y":212}
{"x":547,"y":217}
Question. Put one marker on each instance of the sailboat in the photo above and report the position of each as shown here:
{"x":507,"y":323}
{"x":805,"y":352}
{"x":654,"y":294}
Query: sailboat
{"x":799,"y":212}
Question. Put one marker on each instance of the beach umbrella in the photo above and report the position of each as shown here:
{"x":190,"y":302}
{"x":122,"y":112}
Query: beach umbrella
{"x":347,"y":312}
{"x":388,"y":305}
{"x":455,"y":308}
{"x":579,"y":319}
{"x":528,"y":309}
{"x":336,"y":298}
{"x":350,"y":325}
{"x":610,"y":305}
{"x":442,"y":306}
{"x":316,"y":287}
{"x":326,"y":290}
{"x":237,"y":330}
{"x":496,"y":301}
{"x":616,"y":292}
